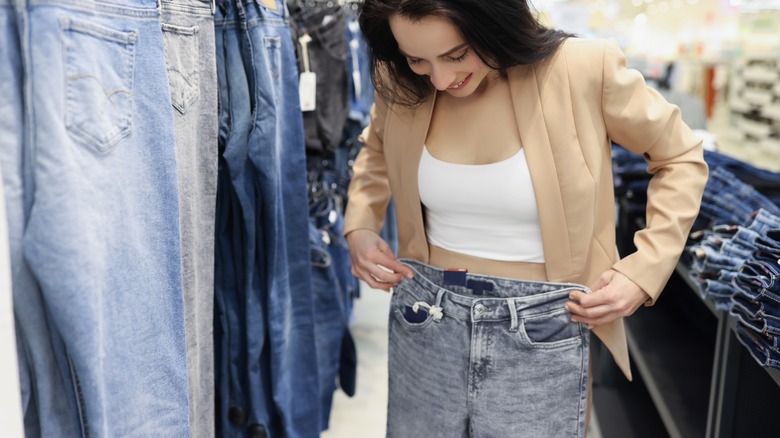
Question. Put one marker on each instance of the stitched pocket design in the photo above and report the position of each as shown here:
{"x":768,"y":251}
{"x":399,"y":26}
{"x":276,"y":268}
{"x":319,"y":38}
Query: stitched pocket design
{"x":182,"y":59}
{"x":99,"y":64}
{"x":551,"y":330}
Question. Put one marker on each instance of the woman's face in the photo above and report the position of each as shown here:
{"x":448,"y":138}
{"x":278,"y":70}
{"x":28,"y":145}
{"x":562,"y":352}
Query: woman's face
{"x":434,"y":47}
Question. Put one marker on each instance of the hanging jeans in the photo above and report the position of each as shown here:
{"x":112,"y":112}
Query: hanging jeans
{"x":102,"y":236}
{"x":499,"y":358}
{"x":281,"y":340}
{"x":47,"y":394}
{"x":188,"y":31}
{"x":237,"y":278}
{"x":327,"y":54}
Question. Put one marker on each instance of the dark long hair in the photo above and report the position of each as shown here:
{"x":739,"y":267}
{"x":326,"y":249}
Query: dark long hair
{"x":503,"y":33}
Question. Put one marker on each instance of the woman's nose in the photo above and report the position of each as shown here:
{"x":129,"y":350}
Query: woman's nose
{"x":442,"y":78}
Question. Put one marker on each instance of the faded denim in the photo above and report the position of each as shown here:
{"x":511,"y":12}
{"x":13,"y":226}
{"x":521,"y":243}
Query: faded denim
{"x":188,"y":34}
{"x":506,"y":363}
{"x":102,"y":236}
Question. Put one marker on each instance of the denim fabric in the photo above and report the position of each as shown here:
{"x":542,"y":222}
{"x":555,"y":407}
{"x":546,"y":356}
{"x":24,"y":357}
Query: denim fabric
{"x":765,"y":181}
{"x":47,"y":394}
{"x":188,"y":31}
{"x":10,"y":406}
{"x":758,"y":281}
{"x":276,"y":150}
{"x":329,"y":317}
{"x":327,"y":53}
{"x":507,"y":363}
{"x":708,"y":262}
{"x":102,"y":237}
{"x":237,"y":279}
{"x":762,"y":317}
{"x":734,"y":190}
{"x":632,"y":167}
{"x":361,"y":88}
{"x":727,"y":200}
{"x":762,"y":348}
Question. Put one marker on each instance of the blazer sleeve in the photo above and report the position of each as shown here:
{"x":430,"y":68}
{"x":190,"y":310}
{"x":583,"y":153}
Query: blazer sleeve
{"x":639,"y":119}
{"x":369,"y":190}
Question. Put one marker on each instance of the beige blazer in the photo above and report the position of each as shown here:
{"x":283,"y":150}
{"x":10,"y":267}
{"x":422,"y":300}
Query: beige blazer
{"x":569,"y":107}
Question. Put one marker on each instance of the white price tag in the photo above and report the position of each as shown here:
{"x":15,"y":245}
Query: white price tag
{"x":308,"y":90}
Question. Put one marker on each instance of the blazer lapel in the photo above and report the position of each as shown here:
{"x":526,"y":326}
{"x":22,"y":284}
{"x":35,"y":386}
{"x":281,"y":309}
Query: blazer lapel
{"x":411,"y":152}
{"x":524,"y":87}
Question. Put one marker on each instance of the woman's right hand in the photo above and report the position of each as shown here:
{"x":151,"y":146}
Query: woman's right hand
{"x":373,"y":261}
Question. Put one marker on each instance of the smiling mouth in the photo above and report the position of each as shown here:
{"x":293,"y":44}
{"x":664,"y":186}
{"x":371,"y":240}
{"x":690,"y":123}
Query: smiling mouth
{"x":460,"y":84}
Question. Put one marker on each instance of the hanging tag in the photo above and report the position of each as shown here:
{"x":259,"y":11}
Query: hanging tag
{"x":307,"y":87}
{"x":270,"y":4}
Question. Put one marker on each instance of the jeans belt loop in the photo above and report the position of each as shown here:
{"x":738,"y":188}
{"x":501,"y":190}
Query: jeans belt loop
{"x":511,"y":302}
{"x":439,"y":296}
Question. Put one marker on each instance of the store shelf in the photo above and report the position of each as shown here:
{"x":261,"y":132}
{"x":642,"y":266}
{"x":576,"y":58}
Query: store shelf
{"x":684,"y":271}
{"x":680,"y":389}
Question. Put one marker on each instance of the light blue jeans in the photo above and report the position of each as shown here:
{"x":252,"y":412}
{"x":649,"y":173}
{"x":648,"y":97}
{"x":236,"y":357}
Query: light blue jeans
{"x":102,"y":236}
{"x":504,"y":362}
{"x":47,"y":394}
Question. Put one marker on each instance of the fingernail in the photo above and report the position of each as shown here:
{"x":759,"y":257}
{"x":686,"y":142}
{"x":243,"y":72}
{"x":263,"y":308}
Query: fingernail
{"x":409,"y":276}
{"x":571,"y":296}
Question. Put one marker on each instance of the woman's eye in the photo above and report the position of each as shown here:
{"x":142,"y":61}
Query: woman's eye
{"x":459,"y":58}
{"x":413,"y":61}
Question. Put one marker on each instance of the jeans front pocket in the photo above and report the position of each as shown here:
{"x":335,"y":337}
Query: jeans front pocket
{"x":182,"y":59}
{"x":99,"y":65}
{"x":553,"y":329}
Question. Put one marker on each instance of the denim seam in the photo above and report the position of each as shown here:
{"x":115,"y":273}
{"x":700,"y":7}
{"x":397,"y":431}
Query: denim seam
{"x":75,"y":6}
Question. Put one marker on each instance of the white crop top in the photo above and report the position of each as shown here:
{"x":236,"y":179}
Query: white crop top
{"x":484,"y":210}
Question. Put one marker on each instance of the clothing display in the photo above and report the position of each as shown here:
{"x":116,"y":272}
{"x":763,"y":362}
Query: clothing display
{"x":179,"y":180}
{"x":732,"y":253}
{"x":482,"y":327}
{"x":266,"y":350}
{"x":101,"y":233}
{"x":188,"y":35}
{"x":160,"y":224}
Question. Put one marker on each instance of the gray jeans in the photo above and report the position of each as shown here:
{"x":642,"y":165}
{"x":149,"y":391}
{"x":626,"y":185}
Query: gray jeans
{"x":486,"y":357}
{"x":190,"y":56}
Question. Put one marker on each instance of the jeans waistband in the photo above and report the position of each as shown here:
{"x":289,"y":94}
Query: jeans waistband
{"x":194,"y":7}
{"x":507,"y":298}
{"x":134,"y":8}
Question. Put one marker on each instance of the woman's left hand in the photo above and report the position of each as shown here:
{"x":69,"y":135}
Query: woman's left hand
{"x":613,"y":296}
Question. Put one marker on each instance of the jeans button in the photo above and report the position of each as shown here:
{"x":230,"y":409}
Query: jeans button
{"x":480,"y":309}
{"x":256,"y":431}
{"x":237,"y":416}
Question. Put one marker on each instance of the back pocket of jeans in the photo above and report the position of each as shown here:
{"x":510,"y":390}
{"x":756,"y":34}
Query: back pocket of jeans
{"x":99,"y":63}
{"x":551,"y":330}
{"x":182,"y":59}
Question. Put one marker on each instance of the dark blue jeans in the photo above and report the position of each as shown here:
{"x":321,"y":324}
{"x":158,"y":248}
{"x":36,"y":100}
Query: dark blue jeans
{"x":237,"y":309}
{"x":276,"y":151}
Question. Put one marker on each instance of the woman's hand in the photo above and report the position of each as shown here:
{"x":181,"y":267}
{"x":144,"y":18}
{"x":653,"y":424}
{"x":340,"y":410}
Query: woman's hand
{"x":373,"y":261}
{"x":613,"y":296}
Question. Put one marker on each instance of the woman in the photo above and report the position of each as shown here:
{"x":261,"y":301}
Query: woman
{"x":493,"y":134}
